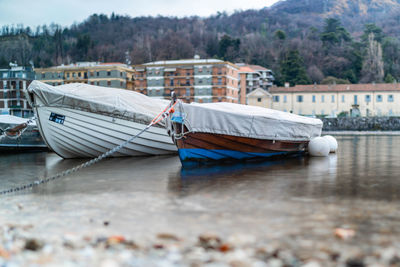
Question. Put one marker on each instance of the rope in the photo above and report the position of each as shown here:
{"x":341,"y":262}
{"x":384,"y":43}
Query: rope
{"x":182,"y":133}
{"x":44,"y":180}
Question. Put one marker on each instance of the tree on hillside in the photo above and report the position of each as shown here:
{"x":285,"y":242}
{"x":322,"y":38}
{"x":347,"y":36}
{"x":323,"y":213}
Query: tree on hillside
{"x":83,"y":44}
{"x":389,"y":78}
{"x":372,"y":28}
{"x":292,"y":69}
{"x":391,"y":56}
{"x":228,"y":48}
{"x":372,"y":70}
{"x":280,"y":35}
{"x":334,"y":33}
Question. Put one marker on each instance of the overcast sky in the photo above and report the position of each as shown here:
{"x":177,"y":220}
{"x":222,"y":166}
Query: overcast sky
{"x":66,"y":12}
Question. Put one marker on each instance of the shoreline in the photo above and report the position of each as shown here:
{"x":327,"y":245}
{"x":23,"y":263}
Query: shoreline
{"x":357,"y":133}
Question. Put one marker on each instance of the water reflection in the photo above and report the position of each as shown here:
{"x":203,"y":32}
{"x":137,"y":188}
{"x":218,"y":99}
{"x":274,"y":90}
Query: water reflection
{"x":365,"y":167}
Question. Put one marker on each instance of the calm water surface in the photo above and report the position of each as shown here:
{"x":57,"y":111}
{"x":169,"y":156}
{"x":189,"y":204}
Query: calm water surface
{"x":305,"y":197}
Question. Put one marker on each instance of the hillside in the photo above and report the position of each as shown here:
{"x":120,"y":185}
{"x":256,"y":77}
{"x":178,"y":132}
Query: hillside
{"x":328,"y":8}
{"x":265,"y":37}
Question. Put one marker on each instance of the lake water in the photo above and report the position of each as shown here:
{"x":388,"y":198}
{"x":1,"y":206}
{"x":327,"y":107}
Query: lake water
{"x":295,"y":199}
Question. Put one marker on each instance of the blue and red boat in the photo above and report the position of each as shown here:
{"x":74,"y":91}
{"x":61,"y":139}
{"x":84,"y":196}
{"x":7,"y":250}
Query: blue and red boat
{"x":227,"y":131}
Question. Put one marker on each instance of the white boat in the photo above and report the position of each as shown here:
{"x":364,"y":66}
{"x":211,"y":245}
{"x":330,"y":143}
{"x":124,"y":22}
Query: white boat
{"x":80,"y":120}
{"x":25,"y":138}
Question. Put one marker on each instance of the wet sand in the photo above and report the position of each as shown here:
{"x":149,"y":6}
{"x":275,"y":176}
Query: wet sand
{"x":337,"y":211}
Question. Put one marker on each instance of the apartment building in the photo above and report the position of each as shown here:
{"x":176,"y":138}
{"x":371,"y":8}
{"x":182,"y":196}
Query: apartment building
{"x":12,"y":83}
{"x":252,"y":77}
{"x":115,"y":75}
{"x":193,"y":80}
{"x":331,"y":100}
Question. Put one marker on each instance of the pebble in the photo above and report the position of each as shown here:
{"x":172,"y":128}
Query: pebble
{"x":33,"y":244}
{"x":209,"y":241}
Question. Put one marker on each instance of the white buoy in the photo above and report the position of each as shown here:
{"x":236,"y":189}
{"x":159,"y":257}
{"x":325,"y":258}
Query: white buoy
{"x":332,"y":143}
{"x":318,"y":147}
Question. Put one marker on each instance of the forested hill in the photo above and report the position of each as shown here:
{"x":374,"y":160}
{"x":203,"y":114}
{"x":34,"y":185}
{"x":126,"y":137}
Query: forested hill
{"x":302,"y":41}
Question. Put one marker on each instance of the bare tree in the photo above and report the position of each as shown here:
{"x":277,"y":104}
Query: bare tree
{"x":372,"y":70}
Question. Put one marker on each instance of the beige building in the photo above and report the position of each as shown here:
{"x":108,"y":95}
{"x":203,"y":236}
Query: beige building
{"x":332,"y":100}
{"x":117,"y":75}
{"x":259,"y":97}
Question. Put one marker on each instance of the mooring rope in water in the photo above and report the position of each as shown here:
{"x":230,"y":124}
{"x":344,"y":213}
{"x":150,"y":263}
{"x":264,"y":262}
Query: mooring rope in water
{"x":164,"y":114}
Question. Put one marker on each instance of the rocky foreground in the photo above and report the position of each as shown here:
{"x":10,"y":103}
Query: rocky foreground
{"x":19,"y":247}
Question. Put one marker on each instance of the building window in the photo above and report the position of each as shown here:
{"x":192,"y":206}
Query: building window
{"x":333,"y":98}
{"x":299,"y":98}
{"x":98,"y":74}
{"x":379,"y":98}
{"x":276,"y":98}
{"x":219,"y":81}
{"x":79,"y":74}
{"x":313,"y":98}
{"x":342,"y":98}
{"x":355,"y":100}
{"x":171,"y":82}
{"x":259,"y":99}
{"x":390,"y":98}
{"x":322,"y":99}
{"x":73,"y":74}
{"x":284,"y":99}
{"x":68,"y":75}
{"x":108,"y":83}
{"x":368,"y":98}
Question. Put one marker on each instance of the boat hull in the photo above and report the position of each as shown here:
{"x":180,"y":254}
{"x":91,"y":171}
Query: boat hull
{"x":200,"y":147}
{"x":80,"y":134}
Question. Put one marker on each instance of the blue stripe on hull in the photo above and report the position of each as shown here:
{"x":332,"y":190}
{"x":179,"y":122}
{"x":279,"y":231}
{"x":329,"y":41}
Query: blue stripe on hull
{"x":199,"y":154}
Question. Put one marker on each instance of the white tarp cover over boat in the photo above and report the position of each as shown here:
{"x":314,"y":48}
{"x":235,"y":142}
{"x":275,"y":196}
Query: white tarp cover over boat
{"x":117,"y":103}
{"x":249,"y":121}
{"x":10,"y":119}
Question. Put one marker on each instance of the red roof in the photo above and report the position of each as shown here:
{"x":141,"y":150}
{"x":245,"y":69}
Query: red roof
{"x":112,"y":63}
{"x":258,"y":68}
{"x":246,"y":69}
{"x":338,"y":88}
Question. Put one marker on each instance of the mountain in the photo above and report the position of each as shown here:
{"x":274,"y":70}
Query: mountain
{"x":338,"y":7}
{"x":264,"y":37}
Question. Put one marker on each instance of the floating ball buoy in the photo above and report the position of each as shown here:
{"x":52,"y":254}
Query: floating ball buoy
{"x":318,"y":147}
{"x":332,"y":143}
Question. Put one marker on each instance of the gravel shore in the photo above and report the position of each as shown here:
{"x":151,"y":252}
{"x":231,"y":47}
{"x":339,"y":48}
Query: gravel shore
{"x":20,"y":247}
